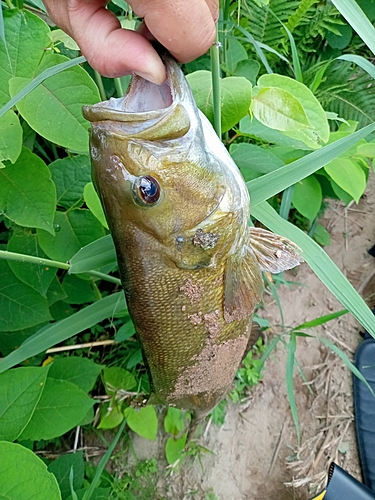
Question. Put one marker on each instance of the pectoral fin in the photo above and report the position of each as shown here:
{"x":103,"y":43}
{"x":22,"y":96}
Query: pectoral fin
{"x":274,"y":253}
{"x":243,"y":285}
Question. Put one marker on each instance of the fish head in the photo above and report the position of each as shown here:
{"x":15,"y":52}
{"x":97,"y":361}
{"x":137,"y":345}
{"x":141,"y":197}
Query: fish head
{"x":154,"y":171}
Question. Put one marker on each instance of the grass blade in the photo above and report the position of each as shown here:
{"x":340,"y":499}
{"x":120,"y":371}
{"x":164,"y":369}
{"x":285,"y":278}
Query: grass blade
{"x":2,"y":29}
{"x":256,"y":46}
{"x":290,"y":383}
{"x":216,"y":91}
{"x":103,"y":462}
{"x":270,"y":184}
{"x":325,"y":269}
{"x":270,"y":347}
{"x":39,"y":79}
{"x":321,"y":320}
{"x":61,"y":330}
{"x":361,"y":62}
{"x":95,"y":255}
{"x":357,"y":20}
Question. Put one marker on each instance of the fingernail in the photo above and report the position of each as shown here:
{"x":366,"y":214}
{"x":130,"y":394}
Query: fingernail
{"x":156,"y":73}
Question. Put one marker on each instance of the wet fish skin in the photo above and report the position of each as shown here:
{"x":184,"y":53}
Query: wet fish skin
{"x":178,"y":209}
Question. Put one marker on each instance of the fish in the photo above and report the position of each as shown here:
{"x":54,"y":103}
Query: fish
{"x":178,"y":209}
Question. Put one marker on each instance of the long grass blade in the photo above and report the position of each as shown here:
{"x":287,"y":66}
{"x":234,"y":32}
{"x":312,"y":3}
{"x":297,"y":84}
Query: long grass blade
{"x":103,"y":462}
{"x":361,"y":62}
{"x":321,"y":320}
{"x":270,"y":184}
{"x":358,"y":21}
{"x":39,"y":79}
{"x":2,"y":29}
{"x":256,"y":46}
{"x":296,"y":62}
{"x":325,"y":269}
{"x":290,"y":382}
{"x":61,"y":330}
{"x":216,"y":91}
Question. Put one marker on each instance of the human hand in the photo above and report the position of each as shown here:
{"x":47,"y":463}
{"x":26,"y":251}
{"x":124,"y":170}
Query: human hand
{"x":185,"y":27}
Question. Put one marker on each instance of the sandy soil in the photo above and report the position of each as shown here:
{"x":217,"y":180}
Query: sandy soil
{"x":255,"y":454}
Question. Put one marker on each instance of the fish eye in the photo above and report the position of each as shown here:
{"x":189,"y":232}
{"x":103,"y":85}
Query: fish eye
{"x":147,"y":190}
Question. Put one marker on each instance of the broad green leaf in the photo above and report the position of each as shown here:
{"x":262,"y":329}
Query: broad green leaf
{"x":112,"y":416}
{"x":61,"y":468}
{"x":235,"y":97}
{"x":20,"y":391}
{"x":279,"y":109}
{"x":93,"y":202}
{"x":60,"y":36}
{"x":55,"y":292}
{"x":349,"y":175}
{"x":358,"y":21}
{"x":143,"y":421}
{"x":27,"y":37}
{"x":307,"y":197}
{"x":54,"y":108}
{"x":318,"y":131}
{"x":174,"y":421}
{"x":20,"y":305}
{"x":24,"y":476}
{"x":234,"y":54}
{"x":322,"y":236}
{"x":116,"y":378}
{"x":74,"y":230}
{"x":64,"y":329}
{"x":256,"y":129}
{"x":70,"y":175}
{"x":270,"y":184}
{"x":97,"y":254}
{"x":10,"y":137}
{"x":37,"y":276}
{"x":249,"y":69}
{"x":62,"y":406}
{"x":80,"y":371}
{"x":367,"y":150}
{"x":340,"y":193}
{"x":78,"y":291}
{"x":174,"y":448}
{"x":20,"y":188}
{"x":125,"y":331}
{"x":320,"y":263}
{"x":11,"y":341}
{"x":253,"y":160}
{"x":339,"y":41}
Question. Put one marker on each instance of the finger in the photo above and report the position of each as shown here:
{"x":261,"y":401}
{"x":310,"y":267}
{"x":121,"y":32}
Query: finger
{"x":185,"y":28}
{"x":108,"y":48}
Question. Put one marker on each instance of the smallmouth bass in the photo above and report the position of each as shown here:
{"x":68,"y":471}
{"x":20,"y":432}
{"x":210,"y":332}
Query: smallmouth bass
{"x":178,"y":210}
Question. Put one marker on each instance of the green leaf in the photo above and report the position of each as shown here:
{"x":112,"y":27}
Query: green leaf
{"x":253,"y":160}
{"x":55,"y":292}
{"x":11,"y":341}
{"x":270,"y":184}
{"x":116,"y":378}
{"x":74,"y":230}
{"x":321,"y":320}
{"x":80,"y":371}
{"x":24,"y":476}
{"x":61,"y":468}
{"x":307,"y":197}
{"x":97,"y":254}
{"x":279,"y":109}
{"x":290,"y":382}
{"x":20,"y":188}
{"x":64,"y":329}
{"x":78,"y":291}
{"x":320,"y":263}
{"x":367,"y":150}
{"x":60,"y":36}
{"x":234,"y":54}
{"x":349,"y":175}
{"x":37,"y":276}
{"x":25,"y":34}
{"x":235,"y":97}
{"x":70,"y":175}
{"x":174,"y":421}
{"x":93,"y":202}
{"x":143,"y":421}
{"x":322,"y":236}
{"x":10,"y":137}
{"x":61,"y":407}
{"x":339,"y":41}
{"x":20,"y":391}
{"x":174,"y":448}
{"x":54,"y":108}
{"x":125,"y":331}
{"x":20,"y":305}
{"x":112,"y":416}
{"x":318,"y":131}
{"x":256,"y":129}
{"x":249,"y":69}
{"x":358,"y":21}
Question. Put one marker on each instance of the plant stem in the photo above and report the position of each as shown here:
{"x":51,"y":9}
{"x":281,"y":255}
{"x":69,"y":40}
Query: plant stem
{"x":215,"y":74}
{"x":31,"y":259}
{"x":99,"y":82}
{"x":118,"y":86}
{"x":9,"y":4}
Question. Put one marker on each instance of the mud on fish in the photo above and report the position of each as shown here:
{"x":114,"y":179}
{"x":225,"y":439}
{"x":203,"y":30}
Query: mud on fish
{"x":178,"y":210}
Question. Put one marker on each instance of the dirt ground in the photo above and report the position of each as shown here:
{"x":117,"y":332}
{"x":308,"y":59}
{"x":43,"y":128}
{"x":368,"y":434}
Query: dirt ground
{"x":255,"y":455}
